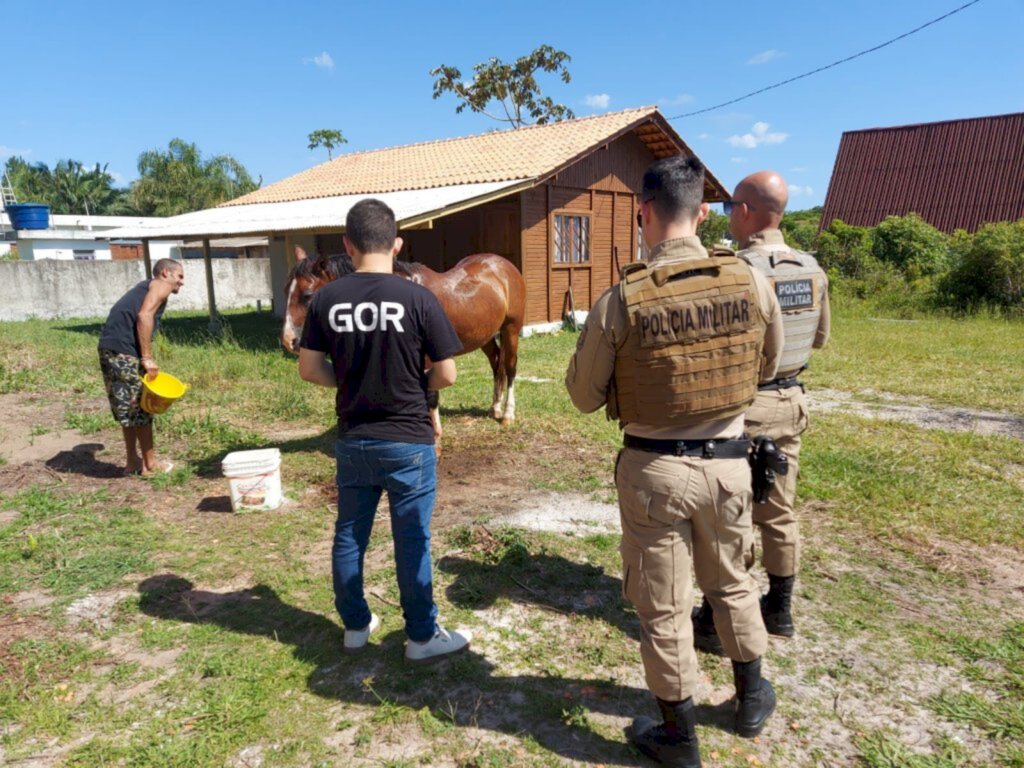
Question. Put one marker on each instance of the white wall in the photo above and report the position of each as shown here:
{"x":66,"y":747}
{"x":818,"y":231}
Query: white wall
{"x":36,"y":249}
{"x":52,"y":288}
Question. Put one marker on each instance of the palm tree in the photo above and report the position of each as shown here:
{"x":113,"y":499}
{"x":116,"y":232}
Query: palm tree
{"x":179,"y":180}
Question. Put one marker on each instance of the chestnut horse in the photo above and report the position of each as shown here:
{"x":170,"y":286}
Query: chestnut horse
{"x":484,"y":296}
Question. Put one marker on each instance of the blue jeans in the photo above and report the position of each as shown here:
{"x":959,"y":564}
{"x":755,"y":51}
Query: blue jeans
{"x":408,"y":472}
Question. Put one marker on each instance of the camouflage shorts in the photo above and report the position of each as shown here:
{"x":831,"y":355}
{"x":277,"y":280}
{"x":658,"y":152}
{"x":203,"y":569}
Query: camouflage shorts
{"x":122,"y":375}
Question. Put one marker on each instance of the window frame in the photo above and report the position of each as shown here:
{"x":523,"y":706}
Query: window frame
{"x":587,"y":245}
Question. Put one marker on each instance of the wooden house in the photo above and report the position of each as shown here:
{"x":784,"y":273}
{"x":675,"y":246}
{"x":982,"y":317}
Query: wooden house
{"x":557,"y":200}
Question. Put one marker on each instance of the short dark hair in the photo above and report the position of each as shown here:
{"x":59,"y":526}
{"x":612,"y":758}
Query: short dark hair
{"x":160,"y":266}
{"x":675,"y":185}
{"x":370,"y":225}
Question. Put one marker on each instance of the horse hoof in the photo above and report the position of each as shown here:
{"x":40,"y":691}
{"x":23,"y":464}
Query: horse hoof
{"x":507,"y":421}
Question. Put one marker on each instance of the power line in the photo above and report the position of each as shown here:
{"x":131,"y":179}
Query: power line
{"x":829,"y":66}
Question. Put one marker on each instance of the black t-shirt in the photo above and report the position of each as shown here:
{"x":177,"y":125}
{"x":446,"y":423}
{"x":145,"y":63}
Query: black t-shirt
{"x":378,"y":329}
{"x":118,"y":332}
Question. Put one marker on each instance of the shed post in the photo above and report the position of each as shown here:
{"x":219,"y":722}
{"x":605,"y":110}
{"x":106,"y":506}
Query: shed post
{"x":147,"y":259}
{"x":210,"y":298}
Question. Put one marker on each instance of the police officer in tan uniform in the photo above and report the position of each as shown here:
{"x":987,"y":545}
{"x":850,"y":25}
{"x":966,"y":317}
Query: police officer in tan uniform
{"x":675,"y":352}
{"x":780,"y":408}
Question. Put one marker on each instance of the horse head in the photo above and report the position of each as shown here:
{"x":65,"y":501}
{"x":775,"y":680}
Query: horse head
{"x":305,"y":278}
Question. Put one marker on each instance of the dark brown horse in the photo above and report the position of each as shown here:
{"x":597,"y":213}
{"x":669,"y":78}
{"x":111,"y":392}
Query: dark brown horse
{"x":484,"y":296}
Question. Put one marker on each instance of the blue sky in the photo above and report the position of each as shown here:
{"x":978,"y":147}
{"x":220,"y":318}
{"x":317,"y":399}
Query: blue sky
{"x":102,"y":82}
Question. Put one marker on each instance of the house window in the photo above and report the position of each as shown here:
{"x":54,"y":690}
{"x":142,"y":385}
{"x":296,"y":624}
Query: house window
{"x":85,"y":255}
{"x":572,"y":239}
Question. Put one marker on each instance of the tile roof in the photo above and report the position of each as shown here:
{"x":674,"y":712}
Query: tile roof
{"x":957,"y":174}
{"x":527,"y":153}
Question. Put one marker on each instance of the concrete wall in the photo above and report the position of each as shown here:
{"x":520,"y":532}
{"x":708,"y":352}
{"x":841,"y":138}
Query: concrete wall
{"x":48,"y":289}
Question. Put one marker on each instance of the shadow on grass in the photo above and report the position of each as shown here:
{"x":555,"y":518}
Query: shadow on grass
{"x":474,"y":411}
{"x":463,"y":690}
{"x":582,"y":588}
{"x":256,"y":331}
{"x":81,"y":460}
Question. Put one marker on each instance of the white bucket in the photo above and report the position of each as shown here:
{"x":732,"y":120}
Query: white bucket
{"x":255,"y":479}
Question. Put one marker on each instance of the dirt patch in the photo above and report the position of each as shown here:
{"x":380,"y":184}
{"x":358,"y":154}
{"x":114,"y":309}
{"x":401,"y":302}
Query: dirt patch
{"x":33,"y":428}
{"x":569,"y":514}
{"x":96,"y":609}
{"x":917,"y":411}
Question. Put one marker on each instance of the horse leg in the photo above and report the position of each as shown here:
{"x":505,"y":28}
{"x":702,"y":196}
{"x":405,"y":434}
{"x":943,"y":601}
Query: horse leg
{"x":509,"y":360}
{"x":435,"y":417}
{"x":434,"y":405}
{"x":494,"y":358}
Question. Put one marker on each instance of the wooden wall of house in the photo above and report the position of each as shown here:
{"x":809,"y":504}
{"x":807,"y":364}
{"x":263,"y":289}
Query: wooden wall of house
{"x":603,"y":185}
{"x":489,"y":228}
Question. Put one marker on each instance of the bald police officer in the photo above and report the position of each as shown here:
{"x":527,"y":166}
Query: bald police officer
{"x":675,"y":352}
{"x":780,"y":409}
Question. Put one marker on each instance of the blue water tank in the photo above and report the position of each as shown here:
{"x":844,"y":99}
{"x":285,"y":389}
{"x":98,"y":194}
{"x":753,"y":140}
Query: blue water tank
{"x":29,"y":215}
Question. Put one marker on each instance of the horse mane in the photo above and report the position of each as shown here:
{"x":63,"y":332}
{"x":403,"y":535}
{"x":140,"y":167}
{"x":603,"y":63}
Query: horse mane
{"x":331,"y":267}
{"x":404,"y":268}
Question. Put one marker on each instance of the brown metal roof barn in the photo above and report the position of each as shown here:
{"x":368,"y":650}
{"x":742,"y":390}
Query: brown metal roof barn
{"x":957,"y":174}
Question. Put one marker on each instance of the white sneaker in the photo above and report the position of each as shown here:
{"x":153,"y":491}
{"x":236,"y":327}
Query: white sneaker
{"x":356,"y":639}
{"x":443,"y":643}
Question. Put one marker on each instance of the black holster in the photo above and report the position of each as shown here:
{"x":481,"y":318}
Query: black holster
{"x":766,"y":461}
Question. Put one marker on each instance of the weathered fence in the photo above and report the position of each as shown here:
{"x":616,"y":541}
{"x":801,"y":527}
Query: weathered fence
{"x":52,"y":288}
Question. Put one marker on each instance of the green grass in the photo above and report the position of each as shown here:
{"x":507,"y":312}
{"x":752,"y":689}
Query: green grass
{"x":240,"y":608}
{"x":883,"y":750}
{"x":69,"y":544}
{"x":973,"y":362}
{"x":905,"y":483}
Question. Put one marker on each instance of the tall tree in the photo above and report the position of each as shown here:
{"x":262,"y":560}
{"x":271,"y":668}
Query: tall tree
{"x":69,"y":188}
{"x":180,"y":180}
{"x":32,"y":182}
{"x":514,"y":86}
{"x":77,"y":190}
{"x":326,"y":137}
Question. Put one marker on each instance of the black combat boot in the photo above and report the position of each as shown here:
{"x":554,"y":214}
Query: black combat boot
{"x":755,"y":698}
{"x":775,"y":606}
{"x":705,"y":636}
{"x":673,"y":741}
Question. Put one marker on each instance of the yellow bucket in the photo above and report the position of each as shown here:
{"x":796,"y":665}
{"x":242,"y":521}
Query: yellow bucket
{"x":160,"y":392}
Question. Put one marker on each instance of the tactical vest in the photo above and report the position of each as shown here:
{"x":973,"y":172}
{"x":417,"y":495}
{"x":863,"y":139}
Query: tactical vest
{"x":693,"y":350}
{"x":798,"y":282}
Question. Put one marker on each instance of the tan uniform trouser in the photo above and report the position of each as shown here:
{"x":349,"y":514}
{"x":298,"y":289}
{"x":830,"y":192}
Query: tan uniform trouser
{"x":782,"y":415}
{"x":678,"y":510}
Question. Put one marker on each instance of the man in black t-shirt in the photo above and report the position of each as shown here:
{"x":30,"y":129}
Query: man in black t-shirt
{"x":381,"y":332}
{"x":126,"y":354}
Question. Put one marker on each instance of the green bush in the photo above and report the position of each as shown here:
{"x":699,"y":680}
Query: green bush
{"x":845,"y":250}
{"x":988,"y":268}
{"x":800,"y":228}
{"x":911,"y":245}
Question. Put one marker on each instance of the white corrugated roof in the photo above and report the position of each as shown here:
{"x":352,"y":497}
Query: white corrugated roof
{"x":315,"y":214}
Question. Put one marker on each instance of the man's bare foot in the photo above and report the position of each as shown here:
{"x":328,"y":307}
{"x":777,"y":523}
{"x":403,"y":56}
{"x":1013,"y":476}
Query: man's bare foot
{"x":133,"y":466}
{"x":159,"y":468}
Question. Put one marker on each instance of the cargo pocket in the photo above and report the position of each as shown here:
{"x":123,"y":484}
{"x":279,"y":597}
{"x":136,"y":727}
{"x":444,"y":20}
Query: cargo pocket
{"x":735,"y":507}
{"x":802,"y":417}
{"x":635,"y":587}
